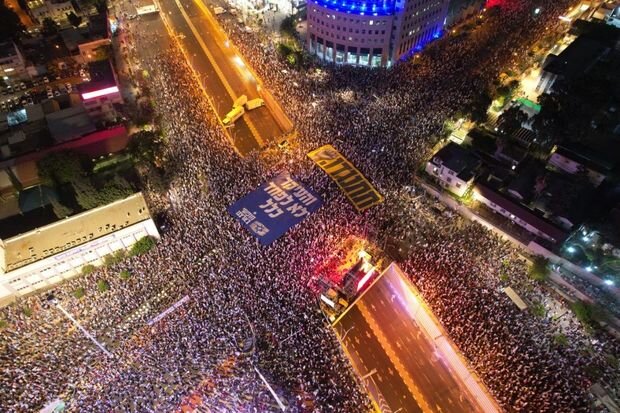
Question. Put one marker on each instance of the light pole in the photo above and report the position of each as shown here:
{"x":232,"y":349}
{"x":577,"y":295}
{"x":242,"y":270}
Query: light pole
{"x":346,"y":332}
{"x":265,"y":382}
{"x":82,"y":329}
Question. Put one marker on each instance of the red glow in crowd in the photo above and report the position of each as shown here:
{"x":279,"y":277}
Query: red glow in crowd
{"x":492,"y":3}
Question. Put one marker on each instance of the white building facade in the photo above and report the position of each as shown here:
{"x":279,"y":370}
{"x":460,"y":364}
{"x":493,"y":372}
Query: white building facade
{"x":454,"y":168}
{"x":56,"y":10}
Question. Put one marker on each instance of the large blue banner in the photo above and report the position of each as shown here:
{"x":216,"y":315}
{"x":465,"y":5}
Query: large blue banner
{"x":274,"y":207}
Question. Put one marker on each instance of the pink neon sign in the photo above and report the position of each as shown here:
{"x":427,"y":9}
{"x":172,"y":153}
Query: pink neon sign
{"x":100,"y":92}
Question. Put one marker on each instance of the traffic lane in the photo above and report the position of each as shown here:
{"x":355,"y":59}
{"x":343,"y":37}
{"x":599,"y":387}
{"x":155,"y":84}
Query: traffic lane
{"x":242,"y":136}
{"x":363,"y":344}
{"x":266,"y":124}
{"x":239,"y":77}
{"x":439,"y":387}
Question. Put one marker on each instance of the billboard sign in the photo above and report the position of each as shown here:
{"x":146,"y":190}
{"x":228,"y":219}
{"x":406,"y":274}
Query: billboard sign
{"x":355,"y":186}
{"x":274,"y":207}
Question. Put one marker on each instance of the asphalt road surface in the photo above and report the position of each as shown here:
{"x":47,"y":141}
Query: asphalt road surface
{"x":380,"y":335}
{"x":206,"y":43}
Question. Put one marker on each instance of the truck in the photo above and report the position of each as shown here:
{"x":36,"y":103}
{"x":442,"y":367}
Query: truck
{"x":254,"y":103}
{"x":233,"y":115}
{"x":240,"y":101}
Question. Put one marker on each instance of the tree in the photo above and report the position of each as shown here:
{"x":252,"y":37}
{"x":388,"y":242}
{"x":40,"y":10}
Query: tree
{"x":114,"y":189}
{"x":60,"y":210}
{"x":60,"y":168}
{"x":539,"y":269}
{"x":142,"y":246}
{"x":50,"y":27}
{"x":10,"y":25}
{"x":146,"y":111}
{"x":85,"y":194}
{"x":587,"y":313}
{"x":88,"y":269}
{"x":124,"y":275}
{"x":511,"y":120}
{"x":74,"y":19}
{"x":560,"y":340}
{"x":103,"y":286}
{"x":479,"y":106}
{"x":547,"y":121}
{"x":79,"y":293}
{"x":146,"y":146}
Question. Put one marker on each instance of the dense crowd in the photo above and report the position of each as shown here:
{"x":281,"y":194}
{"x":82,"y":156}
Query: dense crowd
{"x":384,"y":121}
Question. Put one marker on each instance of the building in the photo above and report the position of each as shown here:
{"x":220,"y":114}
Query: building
{"x":563,"y":199}
{"x":574,"y":159}
{"x":372,"y":33}
{"x":89,"y":43}
{"x":45,"y":124}
{"x":49,"y":254}
{"x":574,"y":61}
{"x":12,"y":62}
{"x":609,"y":13}
{"x":102,"y":92}
{"x":459,"y":10}
{"x":454,"y":167}
{"x":519,"y":214}
{"x":56,"y":10}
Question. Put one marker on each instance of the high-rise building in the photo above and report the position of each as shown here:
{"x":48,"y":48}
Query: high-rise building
{"x":372,"y":33}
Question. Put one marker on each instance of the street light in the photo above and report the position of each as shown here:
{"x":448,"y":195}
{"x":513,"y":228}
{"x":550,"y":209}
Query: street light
{"x":54,"y":301}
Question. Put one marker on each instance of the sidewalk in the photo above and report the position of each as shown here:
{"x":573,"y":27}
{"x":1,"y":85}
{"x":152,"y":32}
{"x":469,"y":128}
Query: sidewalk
{"x":533,"y":248}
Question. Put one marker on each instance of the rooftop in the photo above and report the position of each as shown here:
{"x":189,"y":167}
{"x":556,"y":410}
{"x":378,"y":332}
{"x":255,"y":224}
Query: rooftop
{"x":360,"y":7}
{"x":585,"y":156}
{"x":101,"y":77}
{"x":523,"y":213}
{"x":458,"y":159}
{"x":69,"y":124}
{"x":7,"y":49}
{"x":576,"y":59}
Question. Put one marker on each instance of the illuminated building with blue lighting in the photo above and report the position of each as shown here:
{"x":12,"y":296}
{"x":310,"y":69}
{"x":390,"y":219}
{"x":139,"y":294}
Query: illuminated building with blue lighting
{"x":374,"y":33}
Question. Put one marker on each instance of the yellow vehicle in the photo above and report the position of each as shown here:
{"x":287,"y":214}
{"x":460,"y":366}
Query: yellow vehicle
{"x":233,"y":115}
{"x":254,"y":103}
{"x":240,"y":101}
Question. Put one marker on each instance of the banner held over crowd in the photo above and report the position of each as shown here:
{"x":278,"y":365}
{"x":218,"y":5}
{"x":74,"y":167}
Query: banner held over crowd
{"x":274,"y":207}
{"x":355,"y":186}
